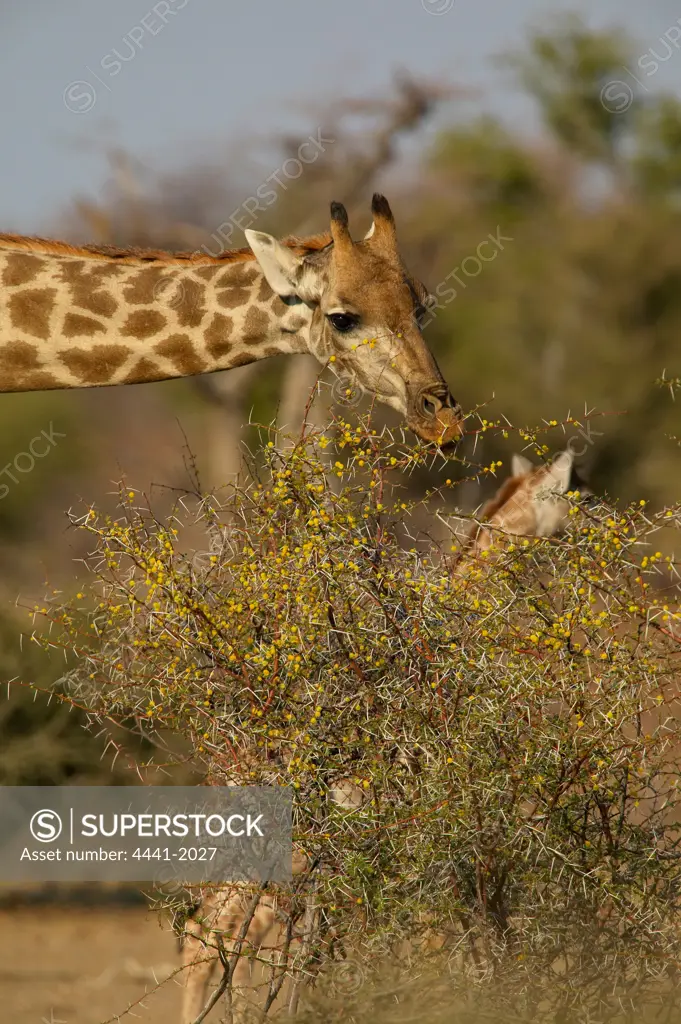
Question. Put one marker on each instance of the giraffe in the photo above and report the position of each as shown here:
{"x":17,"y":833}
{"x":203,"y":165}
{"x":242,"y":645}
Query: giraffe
{"x":222,"y":914}
{"x":75,"y":317}
{"x":531,"y":502}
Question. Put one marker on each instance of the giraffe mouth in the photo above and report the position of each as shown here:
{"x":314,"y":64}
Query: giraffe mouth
{"x":444,"y":433}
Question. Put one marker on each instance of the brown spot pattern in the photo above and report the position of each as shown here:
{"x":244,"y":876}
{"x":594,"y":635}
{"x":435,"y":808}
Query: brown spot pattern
{"x":99,"y":270}
{"x":41,"y":381}
{"x":72,"y":271}
{"x":218,"y":335}
{"x":30,"y":311}
{"x":279,"y":308}
{"x":146,"y":285}
{"x":190,"y":305}
{"x":265,"y":293}
{"x":239,"y":275}
{"x":76,"y":325}
{"x":90,"y":272}
{"x":233,"y":298}
{"x":207,"y":273}
{"x":19,"y":355}
{"x":143,"y":323}
{"x":179,"y":350}
{"x":97,"y":302}
{"x":35,"y":381}
{"x":17,"y":360}
{"x":242,"y":359}
{"x":85,"y":283}
{"x":95,"y":365}
{"x":84,"y":274}
{"x":144,"y":370}
{"x":255,"y":326}
{"x":20,"y":268}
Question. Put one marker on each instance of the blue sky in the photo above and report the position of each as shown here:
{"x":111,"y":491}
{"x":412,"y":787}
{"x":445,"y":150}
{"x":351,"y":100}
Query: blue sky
{"x":204,"y":72}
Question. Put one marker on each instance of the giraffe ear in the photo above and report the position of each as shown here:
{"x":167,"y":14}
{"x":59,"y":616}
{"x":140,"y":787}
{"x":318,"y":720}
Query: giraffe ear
{"x":560,"y":472}
{"x":520,"y":465}
{"x":279,"y":265}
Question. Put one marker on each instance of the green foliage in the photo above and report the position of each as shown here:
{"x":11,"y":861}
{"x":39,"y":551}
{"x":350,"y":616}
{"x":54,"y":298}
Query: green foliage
{"x":580,"y":307}
{"x":23,"y":418}
{"x":43,"y":739}
{"x":566,"y":69}
{"x":498,"y":171}
{"x":508,"y":730}
{"x":657,"y":163}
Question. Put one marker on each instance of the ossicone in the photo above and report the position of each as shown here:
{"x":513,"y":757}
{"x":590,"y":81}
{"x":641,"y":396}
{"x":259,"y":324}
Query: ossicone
{"x":340,"y":232}
{"x":383,"y":234}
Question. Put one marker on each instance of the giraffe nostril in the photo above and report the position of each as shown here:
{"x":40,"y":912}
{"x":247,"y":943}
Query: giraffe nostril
{"x":429,"y":406}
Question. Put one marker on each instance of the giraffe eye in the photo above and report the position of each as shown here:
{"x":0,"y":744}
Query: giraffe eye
{"x":342,"y":321}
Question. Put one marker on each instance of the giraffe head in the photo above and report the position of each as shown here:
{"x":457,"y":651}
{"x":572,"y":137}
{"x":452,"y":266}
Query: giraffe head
{"x":366,"y":312}
{"x":532,"y":502}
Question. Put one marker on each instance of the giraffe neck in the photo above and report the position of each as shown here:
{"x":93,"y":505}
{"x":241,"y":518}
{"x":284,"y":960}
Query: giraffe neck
{"x":508,"y":512}
{"x":85,"y":317}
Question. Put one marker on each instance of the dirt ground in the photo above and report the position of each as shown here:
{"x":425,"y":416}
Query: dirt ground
{"x":86,"y":965}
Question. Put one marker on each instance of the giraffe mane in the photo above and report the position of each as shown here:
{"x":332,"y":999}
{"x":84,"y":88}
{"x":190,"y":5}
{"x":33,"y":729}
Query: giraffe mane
{"x":504,"y":494}
{"x":133,"y":255}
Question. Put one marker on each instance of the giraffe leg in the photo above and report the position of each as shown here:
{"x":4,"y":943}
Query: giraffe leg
{"x":200,"y":963}
{"x":248,"y":975}
{"x":223,"y":916}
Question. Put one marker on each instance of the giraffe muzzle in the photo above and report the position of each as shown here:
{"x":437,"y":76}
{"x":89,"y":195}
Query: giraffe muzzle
{"x":438,"y":419}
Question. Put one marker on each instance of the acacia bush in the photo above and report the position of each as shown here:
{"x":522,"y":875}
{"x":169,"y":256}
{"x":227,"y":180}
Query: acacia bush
{"x":513,"y":729}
